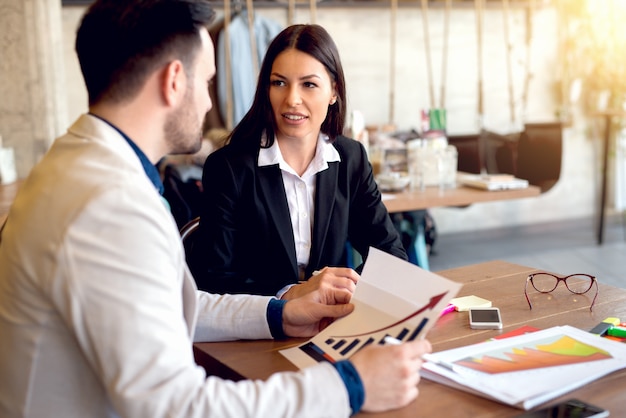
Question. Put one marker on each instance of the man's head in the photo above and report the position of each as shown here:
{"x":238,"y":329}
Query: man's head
{"x":121,"y":42}
{"x":150,"y":58}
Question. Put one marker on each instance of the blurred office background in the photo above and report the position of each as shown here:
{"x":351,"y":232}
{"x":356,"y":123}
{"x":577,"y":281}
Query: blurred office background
{"x":507,"y":63}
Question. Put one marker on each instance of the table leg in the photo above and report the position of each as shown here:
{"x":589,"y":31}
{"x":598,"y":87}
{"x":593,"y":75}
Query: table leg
{"x":605,"y":163}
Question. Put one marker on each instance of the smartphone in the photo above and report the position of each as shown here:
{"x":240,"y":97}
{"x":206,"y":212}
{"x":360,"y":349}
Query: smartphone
{"x":485,"y":318}
{"x":572,"y":408}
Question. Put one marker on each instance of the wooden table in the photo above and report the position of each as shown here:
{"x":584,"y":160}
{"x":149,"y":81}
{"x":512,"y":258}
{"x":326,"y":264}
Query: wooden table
{"x":432,"y":197}
{"x":415,"y":200}
{"x":498,"y":281}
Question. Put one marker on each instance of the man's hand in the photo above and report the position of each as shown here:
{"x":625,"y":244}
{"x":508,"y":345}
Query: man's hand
{"x":327,"y":280}
{"x":311,"y":313}
{"x":390,"y":373}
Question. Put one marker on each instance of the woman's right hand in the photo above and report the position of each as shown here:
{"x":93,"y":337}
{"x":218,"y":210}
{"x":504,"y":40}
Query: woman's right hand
{"x":329,"y":278}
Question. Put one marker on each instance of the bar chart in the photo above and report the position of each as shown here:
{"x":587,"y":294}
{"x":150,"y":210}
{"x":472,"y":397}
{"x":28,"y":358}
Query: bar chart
{"x":393,"y":298}
{"x":334,"y":349}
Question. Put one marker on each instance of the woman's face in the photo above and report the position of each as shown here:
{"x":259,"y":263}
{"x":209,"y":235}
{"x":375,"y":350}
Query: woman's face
{"x":300,"y":92}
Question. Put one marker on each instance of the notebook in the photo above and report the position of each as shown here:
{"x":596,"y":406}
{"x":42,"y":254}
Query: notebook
{"x":492,"y":181}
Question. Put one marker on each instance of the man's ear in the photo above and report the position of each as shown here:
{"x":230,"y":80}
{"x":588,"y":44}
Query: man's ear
{"x":174,"y":82}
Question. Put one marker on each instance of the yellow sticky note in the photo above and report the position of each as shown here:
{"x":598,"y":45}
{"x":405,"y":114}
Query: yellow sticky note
{"x":464,"y":303}
{"x":610,"y":320}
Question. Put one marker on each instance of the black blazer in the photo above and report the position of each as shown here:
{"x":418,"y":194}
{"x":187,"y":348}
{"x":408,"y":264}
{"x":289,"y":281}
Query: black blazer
{"x":245,"y":241}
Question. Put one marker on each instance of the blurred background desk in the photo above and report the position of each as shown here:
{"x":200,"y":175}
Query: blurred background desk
{"x":416,"y":201}
{"x":432,"y":197}
{"x":498,"y":281}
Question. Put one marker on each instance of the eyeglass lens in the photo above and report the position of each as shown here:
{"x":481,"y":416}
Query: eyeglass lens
{"x":575,"y":283}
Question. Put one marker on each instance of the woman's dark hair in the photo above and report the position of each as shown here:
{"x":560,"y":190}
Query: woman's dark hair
{"x":310,"y":39}
{"x":119,"y":42}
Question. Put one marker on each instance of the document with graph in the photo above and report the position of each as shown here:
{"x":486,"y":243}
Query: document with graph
{"x":393,"y":298}
{"x":527,"y":370}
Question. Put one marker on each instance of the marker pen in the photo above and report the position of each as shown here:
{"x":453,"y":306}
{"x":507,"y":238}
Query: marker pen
{"x":601,"y":329}
{"x":617,"y":331}
{"x":426,"y":357}
{"x":448,"y":309}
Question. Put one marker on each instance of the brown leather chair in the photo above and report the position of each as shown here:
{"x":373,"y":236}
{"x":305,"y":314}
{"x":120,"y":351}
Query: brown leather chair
{"x":499,"y":152}
{"x":534,"y":154}
{"x":539,"y":154}
{"x":469,"y":152}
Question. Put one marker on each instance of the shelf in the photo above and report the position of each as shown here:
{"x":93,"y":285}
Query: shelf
{"x":363,"y":4}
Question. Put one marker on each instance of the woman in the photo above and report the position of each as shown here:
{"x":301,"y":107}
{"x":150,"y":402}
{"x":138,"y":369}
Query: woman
{"x":287,"y":194}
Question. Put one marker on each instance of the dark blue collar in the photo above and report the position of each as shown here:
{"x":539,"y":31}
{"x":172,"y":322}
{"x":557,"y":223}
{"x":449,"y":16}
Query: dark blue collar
{"x":148,"y":167}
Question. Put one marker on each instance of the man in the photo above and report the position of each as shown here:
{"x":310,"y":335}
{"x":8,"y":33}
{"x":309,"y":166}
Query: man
{"x":98,"y":310}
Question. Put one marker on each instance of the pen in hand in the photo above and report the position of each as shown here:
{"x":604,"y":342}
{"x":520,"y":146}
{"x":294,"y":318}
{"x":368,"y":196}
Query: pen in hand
{"x":391,"y":341}
{"x":426,"y":357}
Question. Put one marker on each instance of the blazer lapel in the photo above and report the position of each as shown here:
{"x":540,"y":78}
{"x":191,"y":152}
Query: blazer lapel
{"x":273,"y":191}
{"x":324,"y":205}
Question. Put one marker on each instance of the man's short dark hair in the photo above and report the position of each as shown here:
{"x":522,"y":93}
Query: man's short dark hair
{"x":120,"y":42}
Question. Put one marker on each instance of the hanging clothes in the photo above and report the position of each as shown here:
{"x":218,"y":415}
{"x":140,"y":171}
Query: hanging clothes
{"x":243,"y":77}
{"x":214,"y":118}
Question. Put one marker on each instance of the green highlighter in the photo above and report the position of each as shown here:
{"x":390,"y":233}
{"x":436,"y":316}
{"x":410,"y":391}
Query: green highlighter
{"x":617,"y":331}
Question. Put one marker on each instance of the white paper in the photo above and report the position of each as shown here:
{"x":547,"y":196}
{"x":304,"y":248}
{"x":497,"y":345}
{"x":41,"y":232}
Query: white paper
{"x":393,"y":297}
{"x":8,"y":173}
{"x":585,"y":357}
{"x":387,"y":196}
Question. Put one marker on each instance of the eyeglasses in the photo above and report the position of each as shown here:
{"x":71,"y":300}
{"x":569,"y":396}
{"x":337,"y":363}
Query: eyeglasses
{"x":578,"y":284}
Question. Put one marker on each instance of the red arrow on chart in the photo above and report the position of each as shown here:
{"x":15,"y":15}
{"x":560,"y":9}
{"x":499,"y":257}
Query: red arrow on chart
{"x":431,"y":304}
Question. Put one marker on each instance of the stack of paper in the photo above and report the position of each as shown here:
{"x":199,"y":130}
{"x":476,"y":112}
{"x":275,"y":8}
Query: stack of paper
{"x":492,"y":181}
{"x":528,"y":370}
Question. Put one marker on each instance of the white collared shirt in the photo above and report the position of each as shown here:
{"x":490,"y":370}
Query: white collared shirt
{"x":300,"y":191}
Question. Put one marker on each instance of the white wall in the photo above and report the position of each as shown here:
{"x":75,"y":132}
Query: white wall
{"x":363,"y":37}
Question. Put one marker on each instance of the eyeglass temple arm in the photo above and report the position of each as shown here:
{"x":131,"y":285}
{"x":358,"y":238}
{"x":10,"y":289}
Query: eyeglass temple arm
{"x":529,"y":278}
{"x":596,"y":296}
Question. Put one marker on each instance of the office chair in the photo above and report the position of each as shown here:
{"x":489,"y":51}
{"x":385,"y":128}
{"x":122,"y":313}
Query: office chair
{"x":534,"y":154}
{"x":186,"y":233}
{"x":182,"y":190}
{"x":469,"y":152}
{"x":539,"y":154}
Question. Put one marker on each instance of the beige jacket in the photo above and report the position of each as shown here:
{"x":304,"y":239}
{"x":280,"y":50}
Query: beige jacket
{"x":98,"y":309}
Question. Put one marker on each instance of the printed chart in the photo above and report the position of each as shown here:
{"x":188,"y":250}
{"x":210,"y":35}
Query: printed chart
{"x":528,"y":369}
{"x":393,"y":298}
{"x":337,"y":348}
{"x":555,"y":351}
